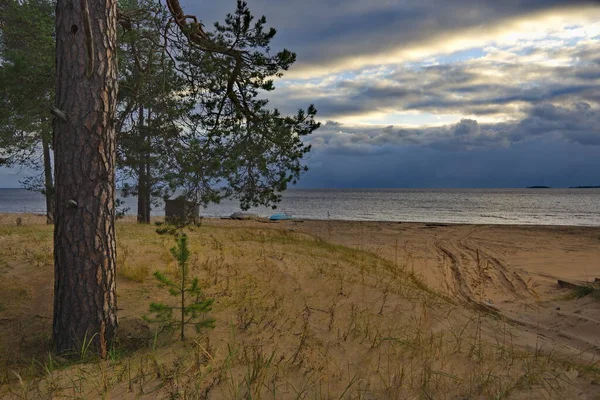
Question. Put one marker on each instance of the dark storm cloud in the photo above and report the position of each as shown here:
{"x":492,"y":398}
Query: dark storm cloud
{"x":498,"y":95}
{"x":553,"y":145}
{"x":540,"y":161}
{"x":385,"y":25}
{"x":325,"y":31}
{"x":577,"y":123}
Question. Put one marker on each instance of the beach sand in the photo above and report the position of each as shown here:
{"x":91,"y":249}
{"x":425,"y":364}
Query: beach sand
{"x":370,"y":309}
{"x":513,"y":269}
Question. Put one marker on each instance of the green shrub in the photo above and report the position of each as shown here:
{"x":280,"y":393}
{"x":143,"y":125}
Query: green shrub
{"x":192,"y":306}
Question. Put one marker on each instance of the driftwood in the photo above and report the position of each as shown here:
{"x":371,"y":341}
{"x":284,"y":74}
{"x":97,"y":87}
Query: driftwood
{"x":568,"y":285}
{"x":572,"y":286}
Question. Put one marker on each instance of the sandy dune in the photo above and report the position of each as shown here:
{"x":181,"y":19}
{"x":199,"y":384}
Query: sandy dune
{"x":342,"y":315}
{"x":509,"y":269}
{"x":512,"y":270}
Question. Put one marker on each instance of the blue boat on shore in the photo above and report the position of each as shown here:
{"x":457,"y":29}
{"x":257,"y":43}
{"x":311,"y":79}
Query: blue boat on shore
{"x":280,"y":216}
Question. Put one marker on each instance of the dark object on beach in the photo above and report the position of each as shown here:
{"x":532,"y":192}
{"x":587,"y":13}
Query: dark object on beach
{"x":281,"y":216}
{"x":243,"y":215}
{"x":180,"y":209}
{"x":434,"y":225}
{"x":539,"y":187}
{"x":582,"y":289}
{"x":567,"y":285}
{"x":579,"y":285}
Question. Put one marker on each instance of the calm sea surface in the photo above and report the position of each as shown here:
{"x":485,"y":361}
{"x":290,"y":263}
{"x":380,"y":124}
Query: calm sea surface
{"x":478,"y":206}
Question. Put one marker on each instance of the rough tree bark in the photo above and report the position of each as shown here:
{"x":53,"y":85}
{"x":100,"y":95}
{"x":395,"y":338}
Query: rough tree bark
{"x":85,"y":303}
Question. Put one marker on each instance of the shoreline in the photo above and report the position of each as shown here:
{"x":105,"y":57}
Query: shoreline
{"x":427,"y":223}
{"x":34,"y":215}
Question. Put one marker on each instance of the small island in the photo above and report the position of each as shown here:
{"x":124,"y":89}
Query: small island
{"x":539,"y":187}
{"x":584,"y":187}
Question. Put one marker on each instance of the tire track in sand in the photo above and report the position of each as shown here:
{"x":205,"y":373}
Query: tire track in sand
{"x":465,"y":264}
{"x":455,"y":281}
{"x":508,"y":281}
{"x":470,"y":269}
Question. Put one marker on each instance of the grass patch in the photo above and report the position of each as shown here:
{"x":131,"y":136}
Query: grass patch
{"x":135,"y":272}
{"x":586,"y":290}
{"x":296,"y":317}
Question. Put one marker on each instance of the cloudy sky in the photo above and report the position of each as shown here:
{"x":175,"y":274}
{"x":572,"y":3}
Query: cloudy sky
{"x":432,"y":93}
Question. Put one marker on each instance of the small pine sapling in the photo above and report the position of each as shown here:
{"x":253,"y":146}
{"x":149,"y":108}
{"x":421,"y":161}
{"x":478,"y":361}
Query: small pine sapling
{"x":192,"y":306}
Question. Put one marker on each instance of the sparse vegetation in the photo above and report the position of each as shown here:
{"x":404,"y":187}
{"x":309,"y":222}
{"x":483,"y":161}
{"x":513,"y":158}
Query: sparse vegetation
{"x":192,"y":305}
{"x":301,"y":318}
{"x":135,"y":272}
{"x":587,"y":290}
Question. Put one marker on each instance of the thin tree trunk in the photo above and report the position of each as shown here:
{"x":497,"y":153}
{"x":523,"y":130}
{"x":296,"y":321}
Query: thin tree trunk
{"x":148,"y":173}
{"x":142,"y":195}
{"x":143,"y":216}
{"x":48,"y":182}
{"x":148,"y":197}
{"x":85,"y":302}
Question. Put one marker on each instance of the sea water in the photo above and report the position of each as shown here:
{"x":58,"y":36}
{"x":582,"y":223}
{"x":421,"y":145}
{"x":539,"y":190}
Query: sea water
{"x":580,"y":207}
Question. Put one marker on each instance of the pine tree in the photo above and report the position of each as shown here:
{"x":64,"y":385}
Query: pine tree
{"x":27,"y":91}
{"x":192,"y":307}
{"x":85,"y":297}
{"x":234,"y":146}
{"x":210,"y":136}
{"x":152,"y":102}
{"x":237,"y":147}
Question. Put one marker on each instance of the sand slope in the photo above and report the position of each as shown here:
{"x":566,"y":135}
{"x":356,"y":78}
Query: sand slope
{"x":511,"y":269}
{"x":321,"y":309}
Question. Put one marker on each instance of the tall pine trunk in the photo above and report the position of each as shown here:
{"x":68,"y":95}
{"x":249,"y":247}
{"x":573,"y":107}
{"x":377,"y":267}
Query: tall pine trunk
{"x":48,"y":182}
{"x":143,"y":186}
{"x":85,"y":302}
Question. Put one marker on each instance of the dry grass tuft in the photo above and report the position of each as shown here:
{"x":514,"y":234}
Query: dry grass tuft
{"x":297,"y":317}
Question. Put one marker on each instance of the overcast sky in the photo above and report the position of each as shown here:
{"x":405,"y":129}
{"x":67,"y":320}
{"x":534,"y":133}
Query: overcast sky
{"x":432,"y":93}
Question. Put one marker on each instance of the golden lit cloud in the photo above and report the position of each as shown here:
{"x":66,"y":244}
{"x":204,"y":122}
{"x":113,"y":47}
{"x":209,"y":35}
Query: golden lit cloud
{"x":515,"y":32}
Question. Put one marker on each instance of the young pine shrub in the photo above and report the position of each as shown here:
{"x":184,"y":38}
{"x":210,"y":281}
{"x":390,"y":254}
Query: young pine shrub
{"x":192,"y":307}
